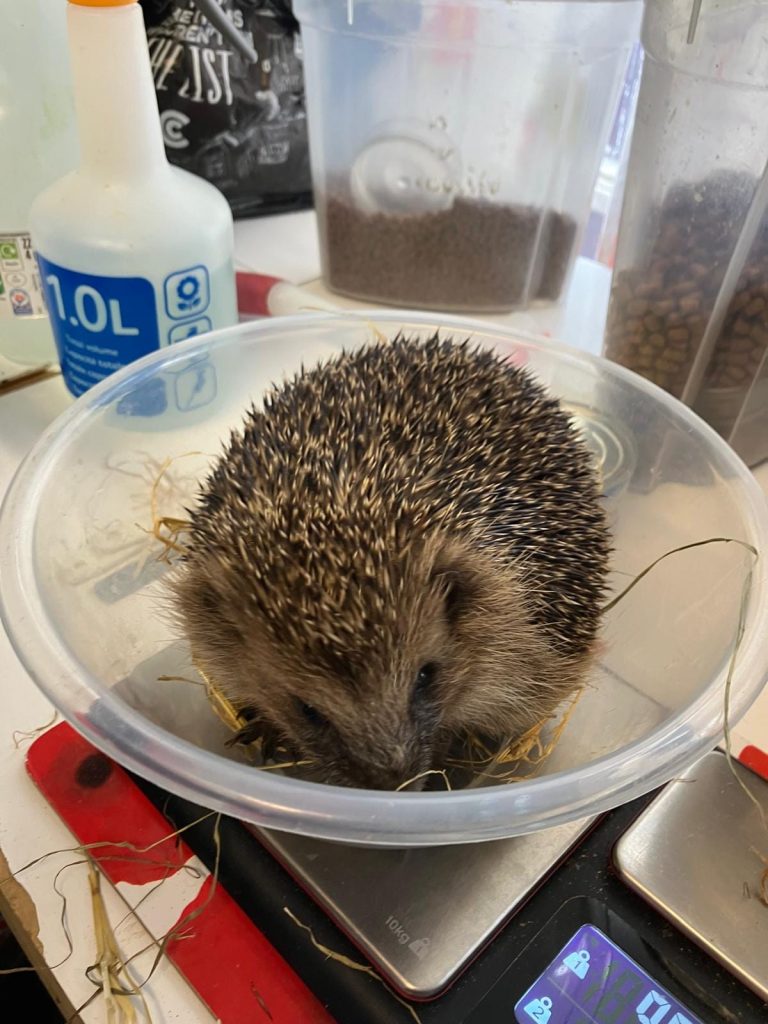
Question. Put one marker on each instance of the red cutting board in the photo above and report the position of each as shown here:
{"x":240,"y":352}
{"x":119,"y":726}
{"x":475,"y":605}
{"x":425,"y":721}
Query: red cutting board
{"x":224,"y":957}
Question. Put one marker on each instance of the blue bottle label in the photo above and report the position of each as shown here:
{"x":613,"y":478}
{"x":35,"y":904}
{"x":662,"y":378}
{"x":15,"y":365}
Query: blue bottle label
{"x":100,"y":323}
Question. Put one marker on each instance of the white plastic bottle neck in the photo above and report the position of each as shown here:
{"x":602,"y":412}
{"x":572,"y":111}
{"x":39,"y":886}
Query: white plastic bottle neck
{"x":117,"y":113}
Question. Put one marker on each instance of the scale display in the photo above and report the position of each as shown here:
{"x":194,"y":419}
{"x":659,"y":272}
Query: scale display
{"x":592,"y":981}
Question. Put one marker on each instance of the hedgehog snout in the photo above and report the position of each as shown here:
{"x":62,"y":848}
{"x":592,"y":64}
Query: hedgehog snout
{"x":391,"y":775}
{"x":385,"y":763}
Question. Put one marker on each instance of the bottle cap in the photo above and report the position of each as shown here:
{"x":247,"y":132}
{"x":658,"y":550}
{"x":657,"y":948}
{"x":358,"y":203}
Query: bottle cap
{"x":102,"y":3}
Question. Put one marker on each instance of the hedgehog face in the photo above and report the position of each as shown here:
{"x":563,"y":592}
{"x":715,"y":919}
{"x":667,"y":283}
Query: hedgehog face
{"x":362,"y":707}
{"x":378,"y":707}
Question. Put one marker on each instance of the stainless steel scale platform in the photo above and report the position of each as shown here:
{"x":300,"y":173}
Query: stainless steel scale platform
{"x":421,"y":915}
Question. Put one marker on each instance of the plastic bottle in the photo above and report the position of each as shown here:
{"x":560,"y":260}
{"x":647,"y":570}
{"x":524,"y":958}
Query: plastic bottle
{"x":39,"y":143}
{"x":134,"y":254}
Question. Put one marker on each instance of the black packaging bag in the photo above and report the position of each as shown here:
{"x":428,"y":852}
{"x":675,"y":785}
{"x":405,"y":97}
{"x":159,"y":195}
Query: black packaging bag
{"x":230,"y":87}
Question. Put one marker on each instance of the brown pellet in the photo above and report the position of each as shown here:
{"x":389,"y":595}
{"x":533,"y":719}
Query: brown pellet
{"x":648,"y":288}
{"x":740,"y":345}
{"x":677,"y":356}
{"x":679,"y":289}
{"x":679,"y":334}
{"x":666,"y":364}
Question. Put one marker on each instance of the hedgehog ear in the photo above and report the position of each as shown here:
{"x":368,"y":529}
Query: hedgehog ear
{"x":457,"y":596}
{"x":203,"y":609}
{"x":457,"y":573}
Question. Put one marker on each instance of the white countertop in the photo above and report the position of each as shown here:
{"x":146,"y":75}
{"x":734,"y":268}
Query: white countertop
{"x":284,"y":246}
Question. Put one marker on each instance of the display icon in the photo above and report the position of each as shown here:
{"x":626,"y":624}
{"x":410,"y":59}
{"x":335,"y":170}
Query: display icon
{"x":578,"y":963}
{"x":539,"y":1010}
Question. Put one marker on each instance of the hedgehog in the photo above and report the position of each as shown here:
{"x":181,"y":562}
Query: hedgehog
{"x":402,"y":547}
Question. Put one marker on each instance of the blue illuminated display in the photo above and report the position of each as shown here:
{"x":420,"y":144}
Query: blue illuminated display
{"x":591,"y":981}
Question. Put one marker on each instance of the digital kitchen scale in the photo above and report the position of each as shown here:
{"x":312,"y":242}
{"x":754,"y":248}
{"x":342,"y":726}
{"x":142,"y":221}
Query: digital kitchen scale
{"x":649,"y":915}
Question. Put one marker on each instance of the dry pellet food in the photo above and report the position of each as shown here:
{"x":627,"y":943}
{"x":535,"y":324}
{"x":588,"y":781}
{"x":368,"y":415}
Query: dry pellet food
{"x":475,"y":255}
{"x":659,"y":311}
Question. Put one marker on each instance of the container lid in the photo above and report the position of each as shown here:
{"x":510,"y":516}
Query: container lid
{"x":102,"y":3}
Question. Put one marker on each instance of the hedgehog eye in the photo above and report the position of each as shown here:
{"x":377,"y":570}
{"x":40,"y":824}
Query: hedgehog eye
{"x":311,"y":715}
{"x":425,"y":679}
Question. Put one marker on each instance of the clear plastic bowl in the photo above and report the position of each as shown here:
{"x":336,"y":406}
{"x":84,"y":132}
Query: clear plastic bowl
{"x":83,"y":602}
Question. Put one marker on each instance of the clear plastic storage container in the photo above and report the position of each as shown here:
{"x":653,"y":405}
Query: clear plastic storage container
{"x":38,"y":143}
{"x":455,"y":144}
{"x":689,"y":303}
{"x":84,"y":603}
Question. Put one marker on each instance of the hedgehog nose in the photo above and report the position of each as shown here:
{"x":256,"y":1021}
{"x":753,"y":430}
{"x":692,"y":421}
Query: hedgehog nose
{"x":391,"y":758}
{"x":402,"y":774}
{"x":404,"y":769}
{"x":413,"y":785}
{"x":394,"y":781}
{"x":398,"y":773}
